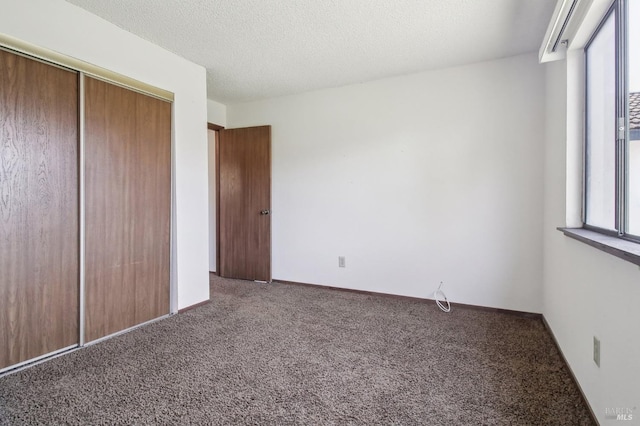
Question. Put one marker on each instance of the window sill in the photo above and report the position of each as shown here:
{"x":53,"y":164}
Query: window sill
{"x":624,"y":249}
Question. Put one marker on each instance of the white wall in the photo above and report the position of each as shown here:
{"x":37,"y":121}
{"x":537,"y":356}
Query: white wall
{"x":586,"y":292}
{"x":60,"y":26}
{"x":216,"y":113}
{"x":417,"y":179}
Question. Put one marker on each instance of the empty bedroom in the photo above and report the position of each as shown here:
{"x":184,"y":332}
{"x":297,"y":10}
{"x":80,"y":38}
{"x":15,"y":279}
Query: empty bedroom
{"x":320,"y":212}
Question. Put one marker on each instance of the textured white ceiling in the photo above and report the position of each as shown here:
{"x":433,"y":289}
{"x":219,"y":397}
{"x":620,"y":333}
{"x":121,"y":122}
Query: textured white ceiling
{"x":256,"y":49}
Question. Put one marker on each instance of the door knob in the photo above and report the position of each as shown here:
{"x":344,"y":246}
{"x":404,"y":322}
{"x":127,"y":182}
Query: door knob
{"x":265,"y":212}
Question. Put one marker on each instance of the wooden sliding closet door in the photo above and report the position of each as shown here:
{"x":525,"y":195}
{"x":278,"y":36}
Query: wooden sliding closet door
{"x":128,"y":208}
{"x":38,"y":209}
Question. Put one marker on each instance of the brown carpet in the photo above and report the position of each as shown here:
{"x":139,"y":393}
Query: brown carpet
{"x":286,"y":354}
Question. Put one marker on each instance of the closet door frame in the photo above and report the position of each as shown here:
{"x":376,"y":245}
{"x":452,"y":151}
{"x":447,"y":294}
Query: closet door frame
{"x":81,"y":210}
{"x":53,"y":58}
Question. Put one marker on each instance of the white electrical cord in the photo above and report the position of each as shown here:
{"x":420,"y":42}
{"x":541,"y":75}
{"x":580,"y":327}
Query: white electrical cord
{"x":444,"y":296}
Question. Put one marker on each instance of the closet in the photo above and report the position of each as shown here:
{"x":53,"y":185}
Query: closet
{"x":85,"y":208}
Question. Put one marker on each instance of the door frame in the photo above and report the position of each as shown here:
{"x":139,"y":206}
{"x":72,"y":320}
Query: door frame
{"x":216,"y":128}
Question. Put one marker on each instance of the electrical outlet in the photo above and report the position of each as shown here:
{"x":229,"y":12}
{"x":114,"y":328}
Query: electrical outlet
{"x":596,"y":351}
{"x":341,"y":262}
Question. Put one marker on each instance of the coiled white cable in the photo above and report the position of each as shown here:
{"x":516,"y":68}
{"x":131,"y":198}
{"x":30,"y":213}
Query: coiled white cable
{"x":444,"y":296}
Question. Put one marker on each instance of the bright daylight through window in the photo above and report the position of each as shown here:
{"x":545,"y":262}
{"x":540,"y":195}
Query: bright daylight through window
{"x":612,"y":156}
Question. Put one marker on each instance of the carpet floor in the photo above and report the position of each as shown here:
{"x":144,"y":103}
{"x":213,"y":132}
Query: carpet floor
{"x":287,"y":354}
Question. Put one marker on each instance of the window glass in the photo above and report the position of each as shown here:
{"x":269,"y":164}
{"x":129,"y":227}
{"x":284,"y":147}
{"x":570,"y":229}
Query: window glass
{"x":601,"y":128}
{"x":633,"y":147}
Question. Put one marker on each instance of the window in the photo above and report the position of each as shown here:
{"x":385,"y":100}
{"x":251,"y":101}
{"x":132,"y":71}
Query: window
{"x":612,"y":152}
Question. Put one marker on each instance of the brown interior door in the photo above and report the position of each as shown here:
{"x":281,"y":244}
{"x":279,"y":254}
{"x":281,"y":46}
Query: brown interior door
{"x":244,"y":179}
{"x":39,"y":284}
{"x":127,"y":208}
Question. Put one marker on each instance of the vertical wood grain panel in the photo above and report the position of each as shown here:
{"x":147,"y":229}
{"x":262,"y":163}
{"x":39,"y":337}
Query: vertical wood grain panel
{"x":245,"y":190}
{"x":152,"y":208}
{"x":128,"y":207}
{"x":38,"y":209}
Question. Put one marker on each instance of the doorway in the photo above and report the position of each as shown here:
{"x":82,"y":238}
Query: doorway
{"x":243,"y":203}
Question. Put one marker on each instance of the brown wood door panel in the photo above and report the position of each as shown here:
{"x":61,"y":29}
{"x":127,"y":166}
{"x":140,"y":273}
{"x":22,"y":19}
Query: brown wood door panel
{"x":153,"y":208}
{"x":39,"y":283}
{"x":244,"y":176}
{"x":128,"y":208}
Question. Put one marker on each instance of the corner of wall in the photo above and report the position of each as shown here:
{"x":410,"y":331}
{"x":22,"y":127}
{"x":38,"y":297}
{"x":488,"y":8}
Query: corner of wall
{"x":216,"y":113}
{"x":579,"y":281}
